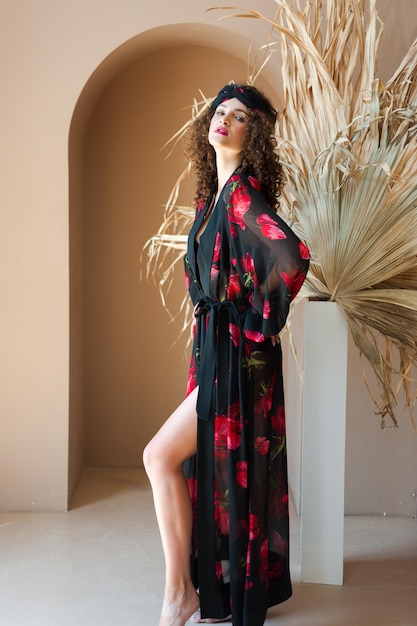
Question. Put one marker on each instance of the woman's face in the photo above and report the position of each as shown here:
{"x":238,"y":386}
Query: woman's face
{"x":228,"y":126}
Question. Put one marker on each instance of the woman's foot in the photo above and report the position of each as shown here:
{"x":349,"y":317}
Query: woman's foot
{"x":177,"y":612}
{"x":196,"y":618}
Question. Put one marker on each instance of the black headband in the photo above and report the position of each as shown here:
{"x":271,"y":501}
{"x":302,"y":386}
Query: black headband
{"x":252,"y":100}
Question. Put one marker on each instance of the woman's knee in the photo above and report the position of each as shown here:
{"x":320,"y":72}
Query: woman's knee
{"x":174,"y":442}
{"x":151,"y":456}
{"x":158,"y":458}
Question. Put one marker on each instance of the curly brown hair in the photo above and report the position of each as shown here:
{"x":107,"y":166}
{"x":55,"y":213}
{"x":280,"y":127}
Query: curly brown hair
{"x":260,"y":156}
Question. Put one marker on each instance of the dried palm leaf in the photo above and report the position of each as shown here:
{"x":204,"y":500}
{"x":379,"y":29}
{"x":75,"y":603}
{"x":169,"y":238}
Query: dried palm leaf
{"x":349,"y":145}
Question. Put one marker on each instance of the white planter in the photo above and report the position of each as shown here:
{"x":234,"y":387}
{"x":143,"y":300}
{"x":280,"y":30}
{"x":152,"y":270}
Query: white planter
{"x":323,"y":443}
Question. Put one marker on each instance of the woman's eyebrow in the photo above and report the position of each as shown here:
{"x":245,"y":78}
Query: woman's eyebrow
{"x":224,"y":106}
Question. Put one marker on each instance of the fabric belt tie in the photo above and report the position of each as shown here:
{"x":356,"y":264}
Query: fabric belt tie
{"x":214,"y":360}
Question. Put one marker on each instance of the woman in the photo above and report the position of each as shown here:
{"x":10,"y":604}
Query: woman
{"x":243,"y":267}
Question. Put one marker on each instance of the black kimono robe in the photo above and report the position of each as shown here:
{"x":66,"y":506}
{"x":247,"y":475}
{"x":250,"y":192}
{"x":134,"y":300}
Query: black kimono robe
{"x":241,"y":277}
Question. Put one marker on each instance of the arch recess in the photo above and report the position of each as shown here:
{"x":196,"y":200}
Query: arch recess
{"x":99,"y":166}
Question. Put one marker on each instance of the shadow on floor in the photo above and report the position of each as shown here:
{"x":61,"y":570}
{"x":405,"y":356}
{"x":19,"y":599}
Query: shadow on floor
{"x":105,"y":484}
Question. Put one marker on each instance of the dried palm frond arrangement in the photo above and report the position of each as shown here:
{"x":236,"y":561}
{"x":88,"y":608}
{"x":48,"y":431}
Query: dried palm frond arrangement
{"x":349,"y":147}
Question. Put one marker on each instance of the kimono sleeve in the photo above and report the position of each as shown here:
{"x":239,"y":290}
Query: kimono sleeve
{"x":274,"y":257}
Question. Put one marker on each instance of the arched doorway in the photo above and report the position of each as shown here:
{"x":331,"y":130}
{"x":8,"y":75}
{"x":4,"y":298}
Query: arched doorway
{"x":126,"y":374}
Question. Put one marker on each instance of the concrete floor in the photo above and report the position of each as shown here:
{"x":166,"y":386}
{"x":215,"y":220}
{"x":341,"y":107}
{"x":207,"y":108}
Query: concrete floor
{"x":101,"y":564}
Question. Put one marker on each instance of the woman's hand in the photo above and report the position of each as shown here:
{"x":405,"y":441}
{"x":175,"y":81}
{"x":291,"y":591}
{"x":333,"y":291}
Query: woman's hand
{"x":193,"y":329}
{"x":275,"y":339}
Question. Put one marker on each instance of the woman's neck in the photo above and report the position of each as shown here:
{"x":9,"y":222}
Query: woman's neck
{"x":225,"y":166}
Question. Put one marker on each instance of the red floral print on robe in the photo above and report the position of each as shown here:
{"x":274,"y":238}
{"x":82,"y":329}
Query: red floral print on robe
{"x":242,"y":276}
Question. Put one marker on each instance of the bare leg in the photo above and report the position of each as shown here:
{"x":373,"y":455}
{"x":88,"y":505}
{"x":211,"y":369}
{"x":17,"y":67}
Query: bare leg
{"x":163,"y":459}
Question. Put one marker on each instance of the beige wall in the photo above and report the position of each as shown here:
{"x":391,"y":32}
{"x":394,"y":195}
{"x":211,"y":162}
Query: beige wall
{"x":381,"y":464}
{"x":54,"y":53}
